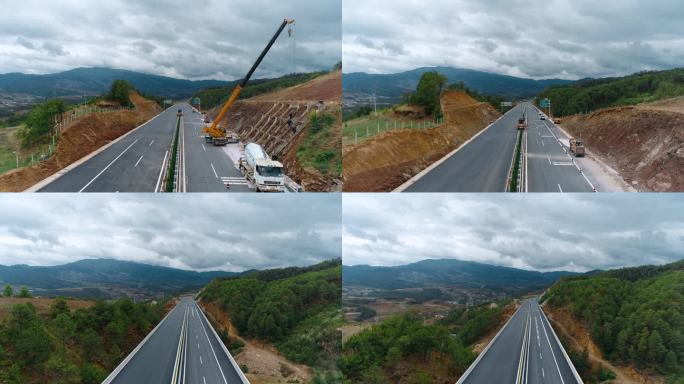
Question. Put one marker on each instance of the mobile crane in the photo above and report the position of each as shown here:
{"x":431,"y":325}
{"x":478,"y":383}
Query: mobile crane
{"x":214,"y":133}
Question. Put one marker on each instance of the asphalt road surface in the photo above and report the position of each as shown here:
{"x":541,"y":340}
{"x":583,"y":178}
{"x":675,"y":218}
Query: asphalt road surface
{"x":550,"y":167}
{"x":208,"y":168}
{"x":480,"y":166}
{"x":134,"y":164}
{"x":201,"y":358}
{"x":528,"y":332}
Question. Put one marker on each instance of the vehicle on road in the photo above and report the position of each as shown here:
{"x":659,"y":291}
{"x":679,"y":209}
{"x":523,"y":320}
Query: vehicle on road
{"x":522,"y":123}
{"x":266,"y":174}
{"x":542,"y":117}
{"x":215,"y":131}
{"x":180,"y":113}
{"x":577,"y":147}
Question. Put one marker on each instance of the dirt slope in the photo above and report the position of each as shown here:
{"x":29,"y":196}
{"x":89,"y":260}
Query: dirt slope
{"x":564,"y":323}
{"x":384,"y":162}
{"x":264,"y":120}
{"x":265,"y":365}
{"x":79,"y":139}
{"x":645,"y":143}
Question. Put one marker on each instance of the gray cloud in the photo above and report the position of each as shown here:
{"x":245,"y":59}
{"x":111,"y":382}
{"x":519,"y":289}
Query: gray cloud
{"x":557,"y":38}
{"x":540,"y":233}
{"x":204,"y":39}
{"x":198,"y":232}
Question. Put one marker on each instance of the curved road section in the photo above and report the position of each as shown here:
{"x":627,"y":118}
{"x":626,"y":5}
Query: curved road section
{"x":526,"y":350}
{"x":183,"y":348}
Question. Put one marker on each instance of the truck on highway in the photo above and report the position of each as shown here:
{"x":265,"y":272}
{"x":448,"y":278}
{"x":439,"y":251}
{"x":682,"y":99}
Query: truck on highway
{"x":258,"y":168}
{"x":577,"y":147}
{"x":522,"y":123}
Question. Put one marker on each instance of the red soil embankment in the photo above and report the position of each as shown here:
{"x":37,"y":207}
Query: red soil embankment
{"x":79,"y":139}
{"x":384,"y":162}
{"x":644,"y":143}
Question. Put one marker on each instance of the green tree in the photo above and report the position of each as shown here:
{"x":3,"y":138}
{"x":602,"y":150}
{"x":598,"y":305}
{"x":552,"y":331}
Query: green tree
{"x":92,"y":374}
{"x":9,"y":291}
{"x":120,"y":92}
{"x":25,"y":293}
{"x":39,"y":122}
{"x":64,"y":328}
{"x":61,"y":371}
{"x":59,"y":306}
{"x":429,"y":91}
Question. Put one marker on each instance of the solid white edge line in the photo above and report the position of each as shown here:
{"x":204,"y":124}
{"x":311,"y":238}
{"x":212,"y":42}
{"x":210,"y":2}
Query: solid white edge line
{"x":481,"y":355}
{"x":225,"y":350}
{"x":128,"y":358}
{"x":161,"y":172}
{"x":439,"y":162}
{"x":565,"y":354}
{"x":138,"y":162}
{"x":553,"y":354}
{"x":185,"y":180}
{"x":213,"y":352}
{"x":51,"y":179}
{"x":214,"y":169}
{"x":108,"y":165}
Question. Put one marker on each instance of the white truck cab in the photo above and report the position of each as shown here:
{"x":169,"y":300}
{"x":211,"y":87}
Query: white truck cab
{"x":267,"y":175}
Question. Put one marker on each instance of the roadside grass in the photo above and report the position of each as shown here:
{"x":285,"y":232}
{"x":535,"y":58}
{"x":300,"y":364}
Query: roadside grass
{"x":319,"y":149}
{"x":363,"y":128}
{"x":9,"y":144}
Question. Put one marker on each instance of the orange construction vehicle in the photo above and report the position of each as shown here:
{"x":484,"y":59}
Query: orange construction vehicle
{"x":215,"y":133}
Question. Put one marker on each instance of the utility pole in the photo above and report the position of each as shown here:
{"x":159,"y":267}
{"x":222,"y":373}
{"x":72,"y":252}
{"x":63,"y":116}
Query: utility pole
{"x":375,"y":105}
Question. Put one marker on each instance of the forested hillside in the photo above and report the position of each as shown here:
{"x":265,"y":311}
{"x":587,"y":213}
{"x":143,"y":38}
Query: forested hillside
{"x":634,"y":315}
{"x":592,"y":94}
{"x":71,"y":346}
{"x":211,"y":97}
{"x":404,"y":349}
{"x":295,"y":309}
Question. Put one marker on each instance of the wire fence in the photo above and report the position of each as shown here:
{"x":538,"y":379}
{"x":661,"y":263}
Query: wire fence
{"x":360,"y":131}
{"x":13,"y":159}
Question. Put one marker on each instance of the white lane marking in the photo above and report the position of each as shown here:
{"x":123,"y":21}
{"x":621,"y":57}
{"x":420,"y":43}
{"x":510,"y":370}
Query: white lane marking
{"x":138,"y":162}
{"x":161,"y":172}
{"x":109,"y":165}
{"x":540,"y":356}
{"x":203,"y":147}
{"x":552,"y":354}
{"x":542,"y":143}
{"x":543,"y":375}
{"x":197,"y":345}
{"x":563,"y":163}
{"x":214,"y":169}
{"x":204,"y":379}
{"x":549,"y":159}
{"x":151,"y":142}
{"x":212,"y":351}
{"x":560,"y":189}
{"x":201,"y":360}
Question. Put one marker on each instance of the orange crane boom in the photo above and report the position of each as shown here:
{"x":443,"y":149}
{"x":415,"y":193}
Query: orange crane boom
{"x":214,"y":131}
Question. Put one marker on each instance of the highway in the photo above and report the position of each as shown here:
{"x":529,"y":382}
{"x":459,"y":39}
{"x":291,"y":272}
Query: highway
{"x":134,"y":163}
{"x":525,"y":350}
{"x":182,"y":349}
{"x":208,"y":168}
{"x":482,"y":165}
{"x":551,"y":167}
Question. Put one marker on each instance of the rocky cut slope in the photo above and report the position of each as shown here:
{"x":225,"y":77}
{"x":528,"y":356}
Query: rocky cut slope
{"x":645,"y":143}
{"x":281,"y":123}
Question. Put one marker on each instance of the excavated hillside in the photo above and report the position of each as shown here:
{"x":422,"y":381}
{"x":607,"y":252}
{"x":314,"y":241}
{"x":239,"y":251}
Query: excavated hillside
{"x":80,"y":138}
{"x":264,"y":120}
{"x":645,"y":143}
{"x":386,"y":161}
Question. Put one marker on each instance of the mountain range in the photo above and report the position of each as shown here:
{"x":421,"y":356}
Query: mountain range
{"x":448,"y":272}
{"x":106,"y":278}
{"x":392,"y":86}
{"x":95,"y":81}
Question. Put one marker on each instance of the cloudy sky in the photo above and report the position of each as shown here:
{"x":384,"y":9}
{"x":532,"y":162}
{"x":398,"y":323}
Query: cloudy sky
{"x":534,"y":232}
{"x":567,"y":39}
{"x":199,"y":39}
{"x":198,"y":232}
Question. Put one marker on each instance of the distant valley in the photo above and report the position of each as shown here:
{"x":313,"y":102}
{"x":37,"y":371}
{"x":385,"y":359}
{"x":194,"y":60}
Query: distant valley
{"x":105,"y":278}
